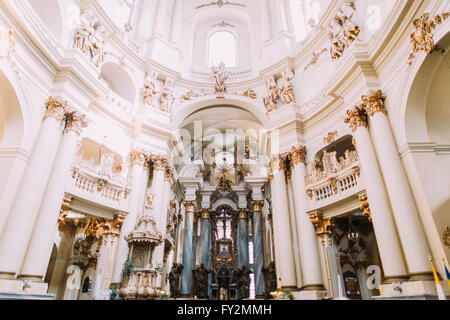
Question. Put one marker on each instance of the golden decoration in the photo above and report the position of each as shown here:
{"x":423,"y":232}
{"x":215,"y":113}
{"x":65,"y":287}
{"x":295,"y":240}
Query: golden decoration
{"x":205,"y":213}
{"x":315,"y":58}
{"x":257,"y":205}
{"x":330,"y":138}
{"x":149,"y":201}
{"x":139,"y":158}
{"x":324,"y":227}
{"x":297,"y":155}
{"x":309,"y":193}
{"x":190,"y":206}
{"x":365,"y":206}
{"x":243,"y":213}
{"x":56,"y":108}
{"x":422,"y":37}
{"x":374,"y":102}
{"x":357,"y":117}
{"x":75,"y":122}
{"x":446,"y":236}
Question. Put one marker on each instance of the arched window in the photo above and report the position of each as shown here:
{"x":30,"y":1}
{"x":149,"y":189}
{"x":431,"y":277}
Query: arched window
{"x":222,"y":48}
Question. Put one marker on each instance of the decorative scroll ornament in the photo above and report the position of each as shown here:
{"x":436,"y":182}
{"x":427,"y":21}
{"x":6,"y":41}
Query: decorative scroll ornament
{"x":374,"y":102}
{"x":323,"y":226}
{"x":56,"y":108}
{"x":446,"y":236}
{"x":148,"y":92}
{"x":149,"y":201}
{"x":249,"y":93}
{"x":422,"y":37}
{"x":365,"y":206}
{"x":297,"y":155}
{"x":315,"y":58}
{"x":159,"y":162}
{"x":75,"y":122}
{"x":220,"y":4}
{"x":357,"y":117}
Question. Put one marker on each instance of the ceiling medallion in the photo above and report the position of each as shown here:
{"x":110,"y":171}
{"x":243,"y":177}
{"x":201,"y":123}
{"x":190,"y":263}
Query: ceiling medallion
{"x":220,"y":4}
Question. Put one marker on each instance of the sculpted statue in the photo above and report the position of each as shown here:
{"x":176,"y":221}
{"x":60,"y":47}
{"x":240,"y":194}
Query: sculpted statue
{"x":85,"y":30}
{"x":287,"y":93}
{"x":244,"y":283}
{"x":220,"y":75}
{"x":345,"y":14}
{"x":200,"y":276}
{"x":270,"y":279}
{"x":174,"y":280}
{"x":167,"y":98}
{"x":148,"y":91}
{"x":271,"y":101}
{"x":337,"y":47}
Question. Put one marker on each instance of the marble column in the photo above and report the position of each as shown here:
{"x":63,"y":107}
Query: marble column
{"x":159,"y":206}
{"x":243,"y":238}
{"x":186,"y":276}
{"x":282,"y":226}
{"x":258,"y":247}
{"x":40,"y":248}
{"x":139,"y":180}
{"x":385,"y":232}
{"x":205,"y":238}
{"x":412,"y":235}
{"x":309,"y":251}
{"x":18,"y":230}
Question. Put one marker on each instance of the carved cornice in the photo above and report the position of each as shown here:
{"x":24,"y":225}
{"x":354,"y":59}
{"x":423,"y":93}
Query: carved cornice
{"x":75,"y":122}
{"x":357,"y":117}
{"x":297,"y":155}
{"x":257,"y":205}
{"x":56,"y":108}
{"x":374,"y":102}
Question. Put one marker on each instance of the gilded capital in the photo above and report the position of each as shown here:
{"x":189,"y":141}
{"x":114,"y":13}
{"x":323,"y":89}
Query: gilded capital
{"x":75,"y":122}
{"x":257,"y":205}
{"x":278,"y":163}
{"x":56,"y":108}
{"x":190,"y":206}
{"x":297,"y":155}
{"x":168,"y":174}
{"x":323,"y":226}
{"x":243,"y":213}
{"x":159,"y":163}
{"x":357,"y":117}
{"x":374,"y":102}
{"x":365,"y":206}
{"x":205,"y":214}
{"x":139,"y":158}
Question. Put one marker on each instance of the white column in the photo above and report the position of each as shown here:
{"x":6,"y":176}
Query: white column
{"x":412,"y":235}
{"x":385,"y":232}
{"x":139,"y":177}
{"x":160,"y":207}
{"x":161,"y":18}
{"x":310,"y":259}
{"x":285,"y":264}
{"x":19,"y":227}
{"x":175,"y":32}
{"x":39,"y":251}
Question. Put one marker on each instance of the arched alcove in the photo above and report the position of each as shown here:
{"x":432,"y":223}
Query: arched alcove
{"x":119,"y":81}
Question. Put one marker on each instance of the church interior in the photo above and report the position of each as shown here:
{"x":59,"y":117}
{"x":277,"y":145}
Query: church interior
{"x":224,"y":150}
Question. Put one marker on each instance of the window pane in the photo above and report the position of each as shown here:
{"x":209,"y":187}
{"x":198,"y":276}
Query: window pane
{"x":222,"y":48}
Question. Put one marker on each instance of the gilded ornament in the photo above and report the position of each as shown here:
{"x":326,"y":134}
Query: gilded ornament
{"x":330,"y":138}
{"x":297,"y":155}
{"x":205,"y":213}
{"x":56,"y":108}
{"x":357,"y":117}
{"x":365,"y":206}
{"x":374,"y":102}
{"x":323,"y":226}
{"x":446,"y":236}
{"x":190,"y":206}
{"x":243,"y":213}
{"x":75,"y":122}
{"x":257,"y":205}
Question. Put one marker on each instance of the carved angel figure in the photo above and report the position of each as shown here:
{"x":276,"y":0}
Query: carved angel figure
{"x":148,"y":91}
{"x":167,"y":98}
{"x":287,"y":93}
{"x":85,"y":30}
{"x":422,"y":38}
{"x":271,"y":101}
{"x":220,"y":75}
{"x":337,"y":47}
